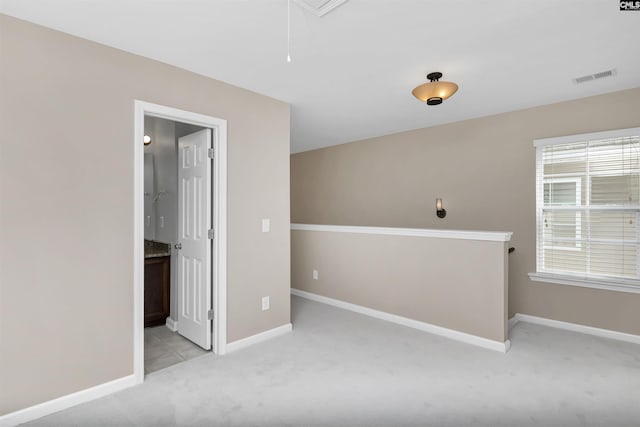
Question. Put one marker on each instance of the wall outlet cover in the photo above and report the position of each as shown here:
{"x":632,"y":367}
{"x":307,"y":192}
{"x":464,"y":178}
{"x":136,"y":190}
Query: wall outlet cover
{"x":265,"y":303}
{"x":315,"y":274}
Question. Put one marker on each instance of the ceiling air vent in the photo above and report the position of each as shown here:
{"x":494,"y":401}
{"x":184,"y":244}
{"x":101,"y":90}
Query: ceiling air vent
{"x":320,"y":7}
{"x":600,"y":75}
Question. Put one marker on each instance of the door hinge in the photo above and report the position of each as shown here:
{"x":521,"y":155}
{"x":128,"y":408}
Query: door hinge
{"x":210,"y":234}
{"x":210,"y":153}
{"x":210,"y":315}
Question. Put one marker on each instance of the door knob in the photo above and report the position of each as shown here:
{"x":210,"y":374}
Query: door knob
{"x":178,"y":246}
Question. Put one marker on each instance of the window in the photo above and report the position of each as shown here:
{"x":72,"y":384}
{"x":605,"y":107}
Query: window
{"x":566,"y":227}
{"x":588,"y":208}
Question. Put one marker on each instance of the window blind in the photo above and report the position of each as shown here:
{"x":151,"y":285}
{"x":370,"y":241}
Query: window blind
{"x":588,"y":206}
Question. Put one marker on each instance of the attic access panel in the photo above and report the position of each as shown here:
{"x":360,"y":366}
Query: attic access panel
{"x":320,"y":7}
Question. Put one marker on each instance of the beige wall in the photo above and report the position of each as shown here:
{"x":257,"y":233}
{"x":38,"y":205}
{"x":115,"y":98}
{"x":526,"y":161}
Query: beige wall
{"x":454,"y":283}
{"x":66,"y":219}
{"x":484,"y":169}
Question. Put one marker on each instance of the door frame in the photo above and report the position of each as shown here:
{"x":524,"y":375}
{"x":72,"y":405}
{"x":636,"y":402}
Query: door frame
{"x":219,"y":187}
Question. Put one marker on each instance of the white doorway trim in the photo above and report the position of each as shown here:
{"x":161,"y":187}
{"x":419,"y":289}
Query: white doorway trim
{"x":219,"y":265}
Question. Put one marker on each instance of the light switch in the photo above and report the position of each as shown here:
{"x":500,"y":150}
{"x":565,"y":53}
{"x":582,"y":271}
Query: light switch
{"x":266,"y":225}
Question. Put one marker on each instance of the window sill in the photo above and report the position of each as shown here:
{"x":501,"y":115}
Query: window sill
{"x":619,"y":285}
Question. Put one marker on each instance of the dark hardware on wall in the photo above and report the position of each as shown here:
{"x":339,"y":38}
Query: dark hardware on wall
{"x":439,"y":210}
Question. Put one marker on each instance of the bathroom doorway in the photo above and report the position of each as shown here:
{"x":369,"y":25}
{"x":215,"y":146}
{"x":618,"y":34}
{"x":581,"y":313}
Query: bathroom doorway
{"x":181,"y":228}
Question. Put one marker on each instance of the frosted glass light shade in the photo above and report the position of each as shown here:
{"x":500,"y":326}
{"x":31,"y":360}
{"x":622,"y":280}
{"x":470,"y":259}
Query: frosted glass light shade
{"x":433,"y":93}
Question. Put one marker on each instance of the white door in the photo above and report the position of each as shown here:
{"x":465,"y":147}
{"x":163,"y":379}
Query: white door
{"x":194,"y":253}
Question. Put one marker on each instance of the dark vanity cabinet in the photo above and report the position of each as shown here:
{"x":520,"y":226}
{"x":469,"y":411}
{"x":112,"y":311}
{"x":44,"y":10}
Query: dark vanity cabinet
{"x":157,"y":277}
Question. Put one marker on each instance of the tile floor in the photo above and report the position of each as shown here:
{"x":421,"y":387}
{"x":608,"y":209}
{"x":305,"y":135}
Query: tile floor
{"x":163,"y":348}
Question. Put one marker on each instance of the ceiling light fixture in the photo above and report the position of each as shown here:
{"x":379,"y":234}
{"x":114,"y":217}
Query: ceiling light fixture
{"x":434,"y":92}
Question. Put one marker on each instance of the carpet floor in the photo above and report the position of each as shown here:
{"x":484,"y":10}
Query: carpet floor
{"x":338,"y":368}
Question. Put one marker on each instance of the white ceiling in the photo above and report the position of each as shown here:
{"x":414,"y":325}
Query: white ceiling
{"x":353,"y":70}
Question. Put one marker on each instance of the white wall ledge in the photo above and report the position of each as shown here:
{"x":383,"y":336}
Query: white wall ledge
{"x":495,"y":236}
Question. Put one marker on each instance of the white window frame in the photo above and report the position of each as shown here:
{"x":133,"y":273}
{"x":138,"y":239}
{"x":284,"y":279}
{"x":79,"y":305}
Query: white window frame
{"x":593,"y":281}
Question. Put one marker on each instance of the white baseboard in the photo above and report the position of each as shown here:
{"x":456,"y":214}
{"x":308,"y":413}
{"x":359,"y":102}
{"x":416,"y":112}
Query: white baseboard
{"x":172,"y":324}
{"x":263,"y":336}
{"x":513,"y":321}
{"x":416,"y":324}
{"x":64,"y":402}
{"x":575,"y":327}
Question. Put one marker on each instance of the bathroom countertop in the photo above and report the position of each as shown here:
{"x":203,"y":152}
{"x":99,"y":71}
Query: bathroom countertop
{"x":153,"y":249}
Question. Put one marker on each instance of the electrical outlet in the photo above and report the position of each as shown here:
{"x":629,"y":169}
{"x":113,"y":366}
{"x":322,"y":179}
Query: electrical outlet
{"x":161,"y":222}
{"x":265,"y":303}
{"x":266,"y":225}
{"x":315,"y":274}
